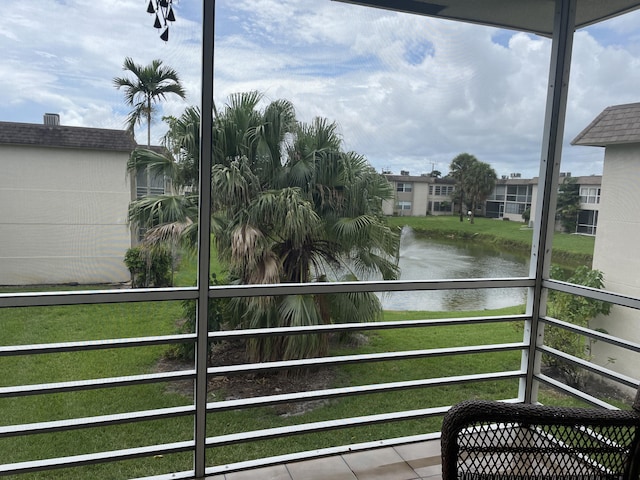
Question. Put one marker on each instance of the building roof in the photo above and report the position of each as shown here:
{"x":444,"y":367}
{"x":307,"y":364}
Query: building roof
{"x":534,"y":16}
{"x":419,"y":179}
{"x":615,"y":125}
{"x":62,"y":136}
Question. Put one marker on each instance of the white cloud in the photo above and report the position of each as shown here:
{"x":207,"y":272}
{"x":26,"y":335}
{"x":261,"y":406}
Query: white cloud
{"x":407,"y":91}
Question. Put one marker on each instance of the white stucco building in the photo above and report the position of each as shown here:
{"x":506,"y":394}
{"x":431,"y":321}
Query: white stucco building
{"x":64,"y":193}
{"x":616,"y":251}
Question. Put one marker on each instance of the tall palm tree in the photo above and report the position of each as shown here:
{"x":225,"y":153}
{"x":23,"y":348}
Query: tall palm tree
{"x":480,"y":183}
{"x":460,"y":170}
{"x":149,"y":85}
{"x":290,"y":205}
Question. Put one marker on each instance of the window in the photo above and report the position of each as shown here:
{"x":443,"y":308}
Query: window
{"x":512,"y":207}
{"x":441,"y":207}
{"x":498,"y":193}
{"x":430,"y":189}
{"x":587,"y":222}
{"x":441,"y":190}
{"x":589,"y":195}
{"x":404,"y":187}
{"x":150,"y":184}
{"x":404,"y":206}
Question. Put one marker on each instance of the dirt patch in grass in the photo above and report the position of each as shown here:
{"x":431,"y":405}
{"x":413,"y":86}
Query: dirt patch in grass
{"x":250,"y":385}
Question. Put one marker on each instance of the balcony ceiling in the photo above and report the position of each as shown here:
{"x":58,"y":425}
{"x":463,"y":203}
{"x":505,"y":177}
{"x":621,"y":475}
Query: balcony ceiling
{"x":534,"y":16}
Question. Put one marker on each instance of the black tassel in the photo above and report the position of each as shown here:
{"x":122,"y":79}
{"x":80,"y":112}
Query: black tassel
{"x":165,"y":34}
{"x":157,"y":23}
{"x":170,"y":16}
{"x":150,"y":8}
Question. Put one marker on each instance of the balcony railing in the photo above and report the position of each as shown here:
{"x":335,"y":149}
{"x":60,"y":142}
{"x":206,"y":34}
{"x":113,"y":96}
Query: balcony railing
{"x":202,"y":373}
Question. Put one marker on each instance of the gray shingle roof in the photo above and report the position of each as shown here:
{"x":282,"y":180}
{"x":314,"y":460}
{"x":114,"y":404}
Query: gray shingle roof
{"x":615,"y":125}
{"x":62,"y":136}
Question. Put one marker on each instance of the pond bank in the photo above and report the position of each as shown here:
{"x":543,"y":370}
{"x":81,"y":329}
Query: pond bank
{"x":561,"y":257}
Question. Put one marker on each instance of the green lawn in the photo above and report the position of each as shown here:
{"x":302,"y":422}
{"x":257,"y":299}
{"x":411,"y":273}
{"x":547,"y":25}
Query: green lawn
{"x":85,"y":322}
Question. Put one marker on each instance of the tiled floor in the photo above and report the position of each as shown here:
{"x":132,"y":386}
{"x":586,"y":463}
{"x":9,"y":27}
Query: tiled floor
{"x":406,"y":462}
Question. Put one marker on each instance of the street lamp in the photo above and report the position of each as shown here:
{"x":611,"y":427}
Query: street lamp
{"x":163,"y":11}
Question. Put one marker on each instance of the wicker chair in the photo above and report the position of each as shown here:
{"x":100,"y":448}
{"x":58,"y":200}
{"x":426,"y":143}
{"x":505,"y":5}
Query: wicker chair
{"x":484,"y":440}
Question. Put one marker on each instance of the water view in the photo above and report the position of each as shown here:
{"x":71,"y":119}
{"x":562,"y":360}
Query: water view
{"x":427,"y":259}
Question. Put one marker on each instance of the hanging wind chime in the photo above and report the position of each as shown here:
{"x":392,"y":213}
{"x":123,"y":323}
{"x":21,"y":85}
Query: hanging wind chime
{"x":163,"y":11}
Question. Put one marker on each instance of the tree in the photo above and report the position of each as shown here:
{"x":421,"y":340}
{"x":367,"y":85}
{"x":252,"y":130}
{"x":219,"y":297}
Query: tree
{"x":459,"y":170}
{"x":149,"y":85}
{"x":435,"y":174}
{"x":578,"y":311}
{"x":289,"y":205}
{"x":568,"y":204}
{"x":479,"y":184}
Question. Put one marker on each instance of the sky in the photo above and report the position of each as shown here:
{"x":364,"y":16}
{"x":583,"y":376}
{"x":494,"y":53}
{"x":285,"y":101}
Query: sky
{"x":408,"y":92}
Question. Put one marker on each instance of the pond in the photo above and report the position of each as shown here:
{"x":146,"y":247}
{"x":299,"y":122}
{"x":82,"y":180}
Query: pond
{"x":428,"y":259}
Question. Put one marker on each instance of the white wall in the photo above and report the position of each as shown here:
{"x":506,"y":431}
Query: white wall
{"x":617,"y":252}
{"x":63,"y":216}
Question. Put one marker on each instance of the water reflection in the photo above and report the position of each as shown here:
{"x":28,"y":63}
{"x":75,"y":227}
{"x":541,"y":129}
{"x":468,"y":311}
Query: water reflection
{"x":425,"y":259}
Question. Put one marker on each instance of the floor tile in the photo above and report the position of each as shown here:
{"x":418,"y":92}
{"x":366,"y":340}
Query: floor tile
{"x":278,"y":472}
{"x":423,"y":457}
{"x":330,"y":468}
{"x":381,"y":464}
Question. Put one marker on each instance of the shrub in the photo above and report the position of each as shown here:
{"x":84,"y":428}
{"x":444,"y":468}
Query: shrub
{"x":577,"y":310}
{"x":526,"y":215}
{"x":215,"y":319}
{"x":149,"y":266}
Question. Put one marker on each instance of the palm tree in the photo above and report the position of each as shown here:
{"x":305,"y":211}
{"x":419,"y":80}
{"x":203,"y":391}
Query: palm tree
{"x":290,"y":205}
{"x":460,"y":170}
{"x":149,"y":85}
{"x":480,"y":183}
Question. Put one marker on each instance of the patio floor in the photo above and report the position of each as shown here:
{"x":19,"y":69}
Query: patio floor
{"x":405,"y":462}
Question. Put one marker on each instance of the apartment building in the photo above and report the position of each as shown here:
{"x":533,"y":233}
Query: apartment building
{"x":419,"y":195}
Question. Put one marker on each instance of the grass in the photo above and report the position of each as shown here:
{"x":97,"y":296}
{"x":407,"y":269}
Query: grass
{"x":86,"y":322}
{"x":568,"y":249}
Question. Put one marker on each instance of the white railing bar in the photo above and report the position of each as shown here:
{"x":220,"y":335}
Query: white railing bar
{"x":574,"y":392}
{"x":341,"y":423}
{"x":90,"y":422}
{"x":233,"y":291}
{"x":592,"y":367}
{"x":593,"y":293}
{"x":332,"y":328}
{"x":93,"y":458}
{"x":110,"y":382}
{"x":189,"y":474}
{"x":85,"y":297}
{"x":619,"y":342}
{"x":371,"y":357}
{"x":80,"y":297}
{"x":87,"y":345}
{"x":271,"y":400}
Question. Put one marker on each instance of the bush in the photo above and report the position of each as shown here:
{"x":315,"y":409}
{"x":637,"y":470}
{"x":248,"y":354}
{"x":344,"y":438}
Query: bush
{"x":149,"y":266}
{"x":577,"y":310}
{"x":526,"y":215}
{"x":215,"y":319}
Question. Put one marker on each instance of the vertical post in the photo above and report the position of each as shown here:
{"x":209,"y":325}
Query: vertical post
{"x":204,"y":237}
{"x":564,"y":26}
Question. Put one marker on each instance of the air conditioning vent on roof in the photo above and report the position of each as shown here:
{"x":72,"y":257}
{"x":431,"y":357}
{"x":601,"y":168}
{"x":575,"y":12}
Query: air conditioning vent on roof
{"x":51,"y":119}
